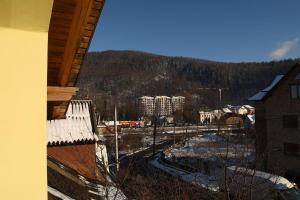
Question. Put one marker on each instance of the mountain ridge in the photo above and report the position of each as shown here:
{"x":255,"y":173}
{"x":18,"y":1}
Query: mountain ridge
{"x":122,"y":76}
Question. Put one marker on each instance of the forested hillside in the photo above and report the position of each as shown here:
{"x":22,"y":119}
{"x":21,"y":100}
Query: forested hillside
{"x":122,"y":76}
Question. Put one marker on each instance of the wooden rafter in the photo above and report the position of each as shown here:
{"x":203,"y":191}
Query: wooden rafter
{"x":79,"y":20}
{"x":55,"y":93}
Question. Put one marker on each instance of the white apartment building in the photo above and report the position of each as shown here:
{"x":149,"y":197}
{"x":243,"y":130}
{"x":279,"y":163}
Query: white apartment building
{"x":146,"y":106}
{"x":163,"y":106}
{"x":177,"y":103}
{"x":160,"y":105}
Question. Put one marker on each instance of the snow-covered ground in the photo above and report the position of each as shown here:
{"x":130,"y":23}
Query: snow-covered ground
{"x":148,"y":140}
{"x":198,"y":178}
{"x":210,"y":146}
{"x":208,"y":154}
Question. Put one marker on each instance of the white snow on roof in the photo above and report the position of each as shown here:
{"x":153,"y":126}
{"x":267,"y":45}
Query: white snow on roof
{"x":111,"y":123}
{"x":248,"y":106}
{"x":274,"y":82}
{"x":260,"y":95}
{"x":76,"y":127}
{"x":226,"y":110}
{"x":251,"y":118}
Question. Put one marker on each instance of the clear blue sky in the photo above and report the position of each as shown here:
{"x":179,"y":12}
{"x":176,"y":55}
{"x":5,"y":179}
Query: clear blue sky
{"x":223,"y":30}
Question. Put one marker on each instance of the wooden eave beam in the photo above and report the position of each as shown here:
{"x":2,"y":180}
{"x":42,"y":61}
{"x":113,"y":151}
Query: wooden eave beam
{"x":79,"y":20}
{"x":55,"y":93}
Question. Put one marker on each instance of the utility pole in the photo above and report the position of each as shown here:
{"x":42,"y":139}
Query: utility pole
{"x":116,"y":138}
{"x":174,"y":135}
{"x":154,"y":133}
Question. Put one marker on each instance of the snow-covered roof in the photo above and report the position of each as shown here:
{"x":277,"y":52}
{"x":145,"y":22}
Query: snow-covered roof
{"x":111,"y":123}
{"x":77,"y":127}
{"x":260,"y":95}
{"x":78,"y":108}
{"x":248,"y":106}
{"x":226,"y":110}
{"x":279,"y":182}
{"x":251,"y":118}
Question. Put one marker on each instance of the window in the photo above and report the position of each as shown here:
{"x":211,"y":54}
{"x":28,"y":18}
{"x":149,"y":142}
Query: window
{"x":291,"y":149}
{"x":295,"y":91}
{"x":290,"y":121}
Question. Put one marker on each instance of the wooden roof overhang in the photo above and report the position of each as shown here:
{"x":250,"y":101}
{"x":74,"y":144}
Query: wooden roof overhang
{"x":72,"y":25}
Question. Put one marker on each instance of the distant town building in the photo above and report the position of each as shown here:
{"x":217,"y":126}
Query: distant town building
{"x":206,"y":117}
{"x":146,"y":106}
{"x":250,"y":109}
{"x":241,"y":110}
{"x":277,"y":123}
{"x":177,"y":103}
{"x":163,"y":106}
{"x":160,"y":105}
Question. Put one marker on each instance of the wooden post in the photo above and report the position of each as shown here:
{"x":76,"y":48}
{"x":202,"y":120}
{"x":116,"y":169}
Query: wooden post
{"x":154,"y":134}
{"x":174,"y":135}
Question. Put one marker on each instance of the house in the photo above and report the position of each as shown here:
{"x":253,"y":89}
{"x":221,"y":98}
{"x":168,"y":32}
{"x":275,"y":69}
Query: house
{"x":206,"y":117}
{"x":241,"y":110}
{"x":277,"y":115}
{"x":66,"y":183}
{"x":73,"y":141}
{"x":250,"y":109}
{"x":76,"y":157}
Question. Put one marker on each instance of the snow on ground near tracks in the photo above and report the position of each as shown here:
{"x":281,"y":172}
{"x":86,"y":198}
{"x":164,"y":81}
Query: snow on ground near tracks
{"x":197,"y":178}
{"x":208,"y":146}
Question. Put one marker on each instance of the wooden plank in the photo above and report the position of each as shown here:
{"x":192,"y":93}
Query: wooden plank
{"x":94,"y":13}
{"x":90,"y":27}
{"x":59,"y":29}
{"x":92,"y":20}
{"x":84,"y":45}
{"x":56,"y":42}
{"x":77,"y":62}
{"x":58,"y":110}
{"x":87,"y":33}
{"x":61,"y":22}
{"x":54,"y":59}
{"x":76,"y":67}
{"x":60,"y":38}
{"x":85,"y":39}
{"x":82,"y":10}
{"x":100,"y":1}
{"x":53,"y":48}
{"x":97,"y":5}
{"x":61,"y":15}
{"x":81,"y":50}
{"x":55,"y":93}
{"x":64,"y":7}
{"x":79,"y":56}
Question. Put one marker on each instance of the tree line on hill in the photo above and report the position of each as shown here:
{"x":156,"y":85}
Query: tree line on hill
{"x":121,"y":77}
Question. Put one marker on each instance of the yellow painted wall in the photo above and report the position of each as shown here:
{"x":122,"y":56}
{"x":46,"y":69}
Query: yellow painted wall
{"x":23,"y":86}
